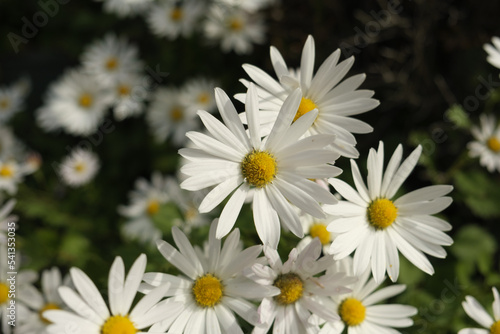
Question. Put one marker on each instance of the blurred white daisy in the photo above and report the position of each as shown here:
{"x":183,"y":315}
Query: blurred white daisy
{"x":171,"y":19}
{"x":375,"y":225}
{"x":248,"y":5}
{"x":12,"y":98}
{"x":77,"y":103}
{"x":39,"y":302}
{"x":130,"y":91}
{"x":7,"y":221}
{"x":487,"y":143}
{"x":126,"y":8}
{"x":11,"y":174}
{"x":168,"y":116}
{"x":234,"y":28}
{"x":89,"y":313}
{"x":278,"y":169}
{"x":79,"y":167}
{"x":198,"y":94}
{"x":335,"y":101}
{"x":358,"y":311}
{"x":493,"y":51}
{"x":302,"y":292}
{"x":316,"y":228}
{"x":145,"y":203}
{"x":110,"y":58}
{"x":479,"y":314}
{"x":212,"y":288}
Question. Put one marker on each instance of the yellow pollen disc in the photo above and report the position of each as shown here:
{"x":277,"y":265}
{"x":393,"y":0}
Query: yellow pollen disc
{"x":495,"y":328}
{"x":207,"y":290}
{"x":305,"y":106}
{"x":493,"y":144}
{"x":191,"y":213}
{"x":203,"y":98}
{"x":85,"y":100}
{"x":352,"y":312}
{"x":6,"y":171}
{"x":112,"y":63}
{"x":48,"y":306}
{"x":382,"y":213}
{"x":79,"y":167}
{"x":118,"y":325}
{"x":4,"y":293}
{"x":123,"y":90}
{"x":319,"y":230}
{"x":153,"y":207}
{"x":176,"y":114}
{"x":259,"y":168}
{"x":291,"y":287}
{"x":235,"y":25}
{"x":176,"y":14}
{"x":4,"y":104}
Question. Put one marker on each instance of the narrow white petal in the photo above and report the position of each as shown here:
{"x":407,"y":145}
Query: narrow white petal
{"x":307,"y":63}
{"x":230,"y":116}
{"x":88,"y":291}
{"x":278,"y":62}
{"x":403,"y":171}
{"x":347,"y":192}
{"x":413,"y":255}
{"x":477,"y":312}
{"x":252,"y":112}
{"x":231,"y":211}
{"x":219,"y":193}
{"x":132,"y":282}
{"x":186,"y":249}
{"x":424,"y":194}
{"x":266,"y":219}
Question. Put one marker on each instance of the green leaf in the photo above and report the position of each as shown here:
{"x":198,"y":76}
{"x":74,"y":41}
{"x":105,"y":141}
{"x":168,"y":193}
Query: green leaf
{"x":457,"y":115}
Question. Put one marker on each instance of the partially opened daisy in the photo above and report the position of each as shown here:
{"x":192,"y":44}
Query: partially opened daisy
{"x":110,"y":58}
{"x":89,"y":313}
{"x":486,"y":145}
{"x":316,"y":228}
{"x":234,"y":28}
{"x":198,"y":94}
{"x":335,"y":101}
{"x":304,"y":291}
{"x":376,"y":225}
{"x":493,"y":51}
{"x":171,"y":19}
{"x":211,"y":288}
{"x":360,"y":311}
{"x":278,"y":169}
{"x":479,"y":314}
{"x":126,"y":8}
{"x":79,"y":167}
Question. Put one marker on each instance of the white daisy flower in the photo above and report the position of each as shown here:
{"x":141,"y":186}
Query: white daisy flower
{"x":90,"y":315}
{"x":126,"y":8}
{"x":234,"y":28}
{"x":12,"y":98}
{"x":79,"y":167}
{"x":39,"y":302}
{"x":479,"y":314}
{"x":7,"y":221}
{"x":213,"y":288}
{"x":278,"y":170}
{"x":11,"y":174}
{"x":335,"y":101}
{"x":145,"y":202}
{"x":487,"y":143}
{"x":302,"y":293}
{"x":110,"y":58}
{"x":168,"y":116}
{"x":316,"y":228}
{"x":130,"y":92}
{"x":76,"y":103}
{"x":493,"y":51}
{"x":376,"y":225}
{"x":198,"y":94}
{"x":358,"y":311}
{"x":171,"y":19}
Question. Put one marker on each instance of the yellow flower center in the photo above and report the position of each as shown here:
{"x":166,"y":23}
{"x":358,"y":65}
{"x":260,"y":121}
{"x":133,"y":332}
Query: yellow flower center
{"x":4,"y":104}
{"x":4,"y":293}
{"x":306,"y":105}
{"x":6,"y":171}
{"x":85,"y":100}
{"x":79,"y":167}
{"x":259,"y":168}
{"x":203,"y":98}
{"x":123,"y":90}
{"x":176,"y":14}
{"x":291,"y":287}
{"x":48,"y":306}
{"x":112,"y":63}
{"x":495,"y":328}
{"x":176,"y":114}
{"x":207,"y":290}
{"x":235,"y":24}
{"x":382,"y":213}
{"x":190,"y":213}
{"x":352,"y":312}
{"x":153,"y":207}
{"x":118,"y":325}
{"x":319,"y":230}
{"x":493,"y":144}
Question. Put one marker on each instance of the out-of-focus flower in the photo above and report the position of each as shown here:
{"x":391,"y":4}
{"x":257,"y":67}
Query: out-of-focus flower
{"x":487,"y":143}
{"x":171,"y":19}
{"x":79,"y":167}
{"x":479,"y":314}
